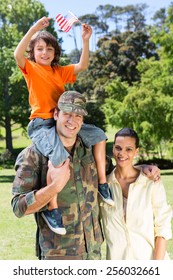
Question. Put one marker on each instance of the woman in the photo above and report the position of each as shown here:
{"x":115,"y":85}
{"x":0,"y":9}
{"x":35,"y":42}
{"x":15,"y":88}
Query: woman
{"x":139,"y":224}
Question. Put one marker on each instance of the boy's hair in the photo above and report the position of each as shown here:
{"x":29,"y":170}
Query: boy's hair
{"x":128,"y":132}
{"x":49,"y":39}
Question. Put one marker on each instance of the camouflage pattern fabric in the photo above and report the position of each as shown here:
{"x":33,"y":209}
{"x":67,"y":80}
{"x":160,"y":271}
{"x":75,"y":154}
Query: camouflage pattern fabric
{"x":77,"y":201}
{"x":73,"y":101}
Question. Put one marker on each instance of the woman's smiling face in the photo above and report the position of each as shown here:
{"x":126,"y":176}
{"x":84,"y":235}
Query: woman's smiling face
{"x":124,"y":150}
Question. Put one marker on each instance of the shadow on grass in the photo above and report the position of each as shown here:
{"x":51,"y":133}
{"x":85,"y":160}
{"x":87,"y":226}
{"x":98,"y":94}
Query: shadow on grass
{"x":6,"y":178}
{"x":167,"y":173}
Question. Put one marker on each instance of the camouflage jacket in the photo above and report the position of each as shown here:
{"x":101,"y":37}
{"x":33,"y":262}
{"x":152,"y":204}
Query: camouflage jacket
{"x":77,"y":201}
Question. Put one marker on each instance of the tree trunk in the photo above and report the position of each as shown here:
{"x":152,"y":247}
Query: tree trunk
{"x":8,"y":136}
{"x":75,"y":40}
{"x":8,"y":133}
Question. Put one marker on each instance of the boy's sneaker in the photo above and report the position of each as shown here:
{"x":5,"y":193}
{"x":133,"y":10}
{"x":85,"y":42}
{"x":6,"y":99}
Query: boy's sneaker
{"x":105,"y":193}
{"x":53,"y":219}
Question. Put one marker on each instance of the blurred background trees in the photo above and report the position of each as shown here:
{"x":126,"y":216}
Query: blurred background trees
{"x":129,"y":81}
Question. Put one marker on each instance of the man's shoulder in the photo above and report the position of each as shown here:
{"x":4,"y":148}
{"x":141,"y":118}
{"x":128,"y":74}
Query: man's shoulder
{"x":30,"y":155}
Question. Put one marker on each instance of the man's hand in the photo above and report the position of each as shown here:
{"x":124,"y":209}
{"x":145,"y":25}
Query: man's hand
{"x":58,"y":176}
{"x":152,"y":172}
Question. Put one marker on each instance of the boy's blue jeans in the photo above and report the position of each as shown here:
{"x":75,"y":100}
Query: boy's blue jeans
{"x":43,"y":134}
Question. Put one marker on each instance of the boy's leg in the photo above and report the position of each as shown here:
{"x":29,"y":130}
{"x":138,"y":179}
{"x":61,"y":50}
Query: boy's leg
{"x":99,"y":152}
{"x":53,"y":216}
{"x":95,"y":137}
{"x":44,"y":136}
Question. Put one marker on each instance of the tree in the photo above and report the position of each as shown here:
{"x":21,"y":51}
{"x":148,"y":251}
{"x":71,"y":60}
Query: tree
{"x":135,"y":20}
{"x":114,"y":14}
{"x":143,"y":107}
{"x":159,"y":18}
{"x":16,"y":17}
{"x":116,"y":56}
{"x":98,"y":24}
{"x":147,"y":105}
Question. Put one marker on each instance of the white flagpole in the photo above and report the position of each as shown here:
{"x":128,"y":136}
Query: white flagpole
{"x":75,"y":17}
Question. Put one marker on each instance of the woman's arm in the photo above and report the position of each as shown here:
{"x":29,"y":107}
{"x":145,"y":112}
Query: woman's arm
{"x":162,"y":215}
{"x":160,"y":248}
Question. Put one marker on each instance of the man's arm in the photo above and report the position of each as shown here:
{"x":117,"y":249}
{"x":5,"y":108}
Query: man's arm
{"x":151,"y":171}
{"x":59,"y":177}
{"x":28,"y":196}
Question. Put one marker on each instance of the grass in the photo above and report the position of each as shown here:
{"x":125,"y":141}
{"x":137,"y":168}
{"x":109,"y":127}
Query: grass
{"x":167,"y":177}
{"x":18,"y":235}
{"x":20,"y":140}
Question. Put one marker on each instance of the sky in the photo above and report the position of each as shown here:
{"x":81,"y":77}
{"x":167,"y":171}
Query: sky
{"x":79,"y":8}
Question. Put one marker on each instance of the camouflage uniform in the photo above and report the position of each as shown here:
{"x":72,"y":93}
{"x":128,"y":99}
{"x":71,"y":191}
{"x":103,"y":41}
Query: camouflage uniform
{"x":77,"y":201}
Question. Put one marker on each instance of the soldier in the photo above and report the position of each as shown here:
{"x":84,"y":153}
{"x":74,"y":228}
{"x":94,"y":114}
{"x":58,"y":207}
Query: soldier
{"x":75,"y":182}
{"x":77,"y":200}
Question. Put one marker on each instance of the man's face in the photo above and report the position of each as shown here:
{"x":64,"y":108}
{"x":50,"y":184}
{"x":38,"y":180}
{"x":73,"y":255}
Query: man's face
{"x":68,"y":124}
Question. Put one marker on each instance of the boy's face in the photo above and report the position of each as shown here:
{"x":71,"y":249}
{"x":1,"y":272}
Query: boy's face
{"x":43,"y":53}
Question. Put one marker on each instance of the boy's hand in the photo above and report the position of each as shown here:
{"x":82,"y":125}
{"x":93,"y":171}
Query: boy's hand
{"x":41,"y":23}
{"x":86,"y":31}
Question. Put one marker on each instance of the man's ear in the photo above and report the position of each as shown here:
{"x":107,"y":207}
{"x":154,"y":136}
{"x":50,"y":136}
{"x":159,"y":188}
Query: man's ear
{"x":55,"y":114}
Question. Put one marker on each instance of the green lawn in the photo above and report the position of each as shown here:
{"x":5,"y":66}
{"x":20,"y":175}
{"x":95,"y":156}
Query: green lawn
{"x":17,"y":235}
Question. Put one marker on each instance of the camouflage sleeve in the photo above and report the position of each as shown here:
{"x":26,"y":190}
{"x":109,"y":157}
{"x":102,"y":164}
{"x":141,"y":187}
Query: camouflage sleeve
{"x":26,"y":181}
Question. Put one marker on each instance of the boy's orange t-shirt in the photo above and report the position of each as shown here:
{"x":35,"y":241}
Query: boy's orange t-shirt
{"x":45,"y":85}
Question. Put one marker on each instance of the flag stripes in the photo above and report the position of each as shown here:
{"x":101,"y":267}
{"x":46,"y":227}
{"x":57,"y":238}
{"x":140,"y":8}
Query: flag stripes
{"x":66,"y":22}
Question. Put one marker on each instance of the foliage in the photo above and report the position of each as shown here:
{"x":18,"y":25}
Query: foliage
{"x":117,"y":56}
{"x":129,"y":80}
{"x":15,"y":20}
{"x":99,"y":116}
{"x":130,"y":73}
{"x":147,"y":105}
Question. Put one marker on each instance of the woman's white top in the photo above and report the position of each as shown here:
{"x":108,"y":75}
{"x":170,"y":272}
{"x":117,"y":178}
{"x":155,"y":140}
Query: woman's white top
{"x":147,"y":215}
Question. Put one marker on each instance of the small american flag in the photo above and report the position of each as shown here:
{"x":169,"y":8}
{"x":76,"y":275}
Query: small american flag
{"x":66,"y":22}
